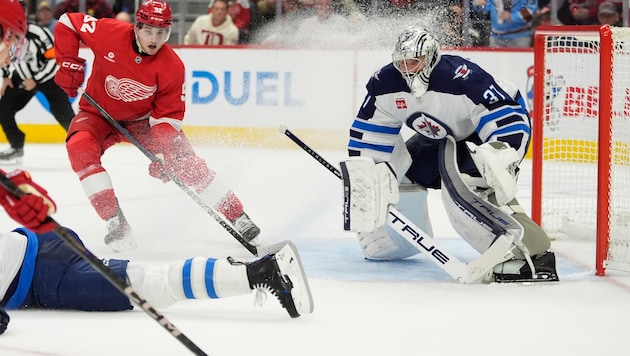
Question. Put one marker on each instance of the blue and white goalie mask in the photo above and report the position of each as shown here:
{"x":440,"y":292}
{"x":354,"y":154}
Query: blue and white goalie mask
{"x":415,"y":55}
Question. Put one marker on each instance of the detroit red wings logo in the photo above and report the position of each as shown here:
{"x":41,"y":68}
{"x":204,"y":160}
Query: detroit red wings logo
{"x":127,"y":90}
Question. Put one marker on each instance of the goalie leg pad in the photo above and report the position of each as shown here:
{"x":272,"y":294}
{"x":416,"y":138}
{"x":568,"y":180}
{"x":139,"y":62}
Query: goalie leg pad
{"x":369,"y":188}
{"x":385,"y":243}
{"x":476,"y":219}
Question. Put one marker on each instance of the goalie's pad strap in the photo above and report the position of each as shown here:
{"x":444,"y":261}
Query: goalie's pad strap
{"x":481,"y":211}
{"x":368,"y":189}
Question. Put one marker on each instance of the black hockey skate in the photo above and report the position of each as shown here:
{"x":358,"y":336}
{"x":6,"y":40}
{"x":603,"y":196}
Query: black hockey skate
{"x":119,"y":236}
{"x":246,"y":227}
{"x":12,"y":156}
{"x":282,"y":274}
{"x":519,"y":271}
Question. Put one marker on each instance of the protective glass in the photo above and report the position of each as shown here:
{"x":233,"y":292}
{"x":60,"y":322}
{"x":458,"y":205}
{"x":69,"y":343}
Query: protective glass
{"x":153,"y":34}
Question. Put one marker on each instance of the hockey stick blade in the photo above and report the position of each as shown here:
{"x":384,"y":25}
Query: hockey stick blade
{"x":188,"y":190}
{"x":472,"y":272}
{"x":108,"y":274}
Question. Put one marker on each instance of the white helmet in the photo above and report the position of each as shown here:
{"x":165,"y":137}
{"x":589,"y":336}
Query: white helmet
{"x":413,"y":43}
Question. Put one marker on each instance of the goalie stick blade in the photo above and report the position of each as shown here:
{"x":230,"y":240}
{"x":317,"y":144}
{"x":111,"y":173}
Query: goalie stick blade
{"x":291,"y":267}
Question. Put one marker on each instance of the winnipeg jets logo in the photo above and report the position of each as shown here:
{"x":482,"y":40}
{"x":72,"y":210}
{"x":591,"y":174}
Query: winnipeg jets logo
{"x":462,"y":72}
{"x":428,"y":127}
{"x":127,"y":90}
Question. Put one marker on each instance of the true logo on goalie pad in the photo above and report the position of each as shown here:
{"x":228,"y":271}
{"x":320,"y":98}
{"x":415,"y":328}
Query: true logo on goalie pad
{"x":403,"y":228}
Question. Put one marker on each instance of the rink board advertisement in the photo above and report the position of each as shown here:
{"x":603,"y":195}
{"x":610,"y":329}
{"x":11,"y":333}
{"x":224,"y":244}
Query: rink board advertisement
{"x":249,"y":92}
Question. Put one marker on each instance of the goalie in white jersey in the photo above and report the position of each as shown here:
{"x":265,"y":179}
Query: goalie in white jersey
{"x":471,"y":132}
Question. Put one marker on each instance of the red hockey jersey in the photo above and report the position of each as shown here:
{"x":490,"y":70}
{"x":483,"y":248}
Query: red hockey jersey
{"x":129,"y":86}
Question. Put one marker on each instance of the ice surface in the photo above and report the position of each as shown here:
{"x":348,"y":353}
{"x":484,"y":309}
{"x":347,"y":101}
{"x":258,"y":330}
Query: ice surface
{"x":361,"y":308}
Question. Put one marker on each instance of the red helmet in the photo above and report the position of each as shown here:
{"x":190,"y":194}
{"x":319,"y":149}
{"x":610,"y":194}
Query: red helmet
{"x":154,"y":13}
{"x":13,"y":18}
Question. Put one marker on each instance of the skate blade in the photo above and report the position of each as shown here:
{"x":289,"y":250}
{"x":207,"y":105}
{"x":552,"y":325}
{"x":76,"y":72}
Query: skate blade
{"x":11,"y":162}
{"x":290,"y":265}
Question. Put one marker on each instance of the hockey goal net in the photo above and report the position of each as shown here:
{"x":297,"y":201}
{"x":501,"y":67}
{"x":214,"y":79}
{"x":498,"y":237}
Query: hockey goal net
{"x":581,"y":138}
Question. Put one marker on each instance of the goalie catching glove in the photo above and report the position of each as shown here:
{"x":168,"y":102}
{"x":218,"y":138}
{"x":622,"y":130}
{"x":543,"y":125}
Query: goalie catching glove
{"x":33,"y":208}
{"x":368,"y":190}
{"x":497,"y":163}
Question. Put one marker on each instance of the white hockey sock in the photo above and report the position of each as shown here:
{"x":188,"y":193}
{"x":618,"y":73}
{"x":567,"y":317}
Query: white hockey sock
{"x":202,"y":278}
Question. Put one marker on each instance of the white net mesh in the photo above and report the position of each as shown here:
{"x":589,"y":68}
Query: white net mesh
{"x":570,"y":140}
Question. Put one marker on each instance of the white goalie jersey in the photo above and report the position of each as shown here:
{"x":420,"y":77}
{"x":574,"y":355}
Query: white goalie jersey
{"x":461,"y":99}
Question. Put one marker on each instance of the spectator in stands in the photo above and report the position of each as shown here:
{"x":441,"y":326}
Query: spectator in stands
{"x":608,"y":14}
{"x":95,"y":8}
{"x":325,"y":29}
{"x":542,"y":17}
{"x":241,"y":16}
{"x":281,"y":32}
{"x":123,"y":16}
{"x":216,"y":28}
{"x":510,"y":21}
{"x":127,"y":6}
{"x":45,"y":16}
{"x":578,"y":12}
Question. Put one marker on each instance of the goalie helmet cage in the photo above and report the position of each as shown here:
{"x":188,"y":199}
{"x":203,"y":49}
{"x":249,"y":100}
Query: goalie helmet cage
{"x":581,"y":138}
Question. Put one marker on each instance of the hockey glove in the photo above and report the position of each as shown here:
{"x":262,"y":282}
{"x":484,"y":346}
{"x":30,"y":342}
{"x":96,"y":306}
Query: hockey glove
{"x":4,"y":320}
{"x":33,"y":208}
{"x":70,"y":75}
{"x":497,"y":163}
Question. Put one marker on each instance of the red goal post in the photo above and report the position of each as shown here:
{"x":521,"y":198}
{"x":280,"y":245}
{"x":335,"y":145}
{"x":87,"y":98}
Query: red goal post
{"x":581,"y":138}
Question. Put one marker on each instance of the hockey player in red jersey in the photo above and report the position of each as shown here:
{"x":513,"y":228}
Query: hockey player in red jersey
{"x":139,"y":80}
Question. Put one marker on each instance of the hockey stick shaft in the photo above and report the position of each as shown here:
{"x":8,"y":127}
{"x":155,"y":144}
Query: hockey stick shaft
{"x":210,"y":210}
{"x":406,"y":228}
{"x":108,"y":274}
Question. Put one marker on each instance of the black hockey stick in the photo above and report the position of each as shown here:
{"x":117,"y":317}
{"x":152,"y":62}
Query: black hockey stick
{"x":110,"y":275}
{"x":255,"y":250}
{"x":462,"y":272}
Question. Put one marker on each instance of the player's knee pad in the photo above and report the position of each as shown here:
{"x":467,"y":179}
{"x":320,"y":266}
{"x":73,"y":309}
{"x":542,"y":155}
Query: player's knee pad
{"x":83,"y":151}
{"x":385,"y":243}
{"x":473,"y":215}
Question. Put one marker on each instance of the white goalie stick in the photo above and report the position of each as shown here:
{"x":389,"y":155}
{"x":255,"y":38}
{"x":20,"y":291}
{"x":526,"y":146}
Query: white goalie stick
{"x":255,"y":250}
{"x":470,"y":272}
{"x":111,"y":276}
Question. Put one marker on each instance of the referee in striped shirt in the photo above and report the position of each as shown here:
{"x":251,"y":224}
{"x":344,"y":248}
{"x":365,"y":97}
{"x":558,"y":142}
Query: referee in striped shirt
{"x":22,"y":80}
